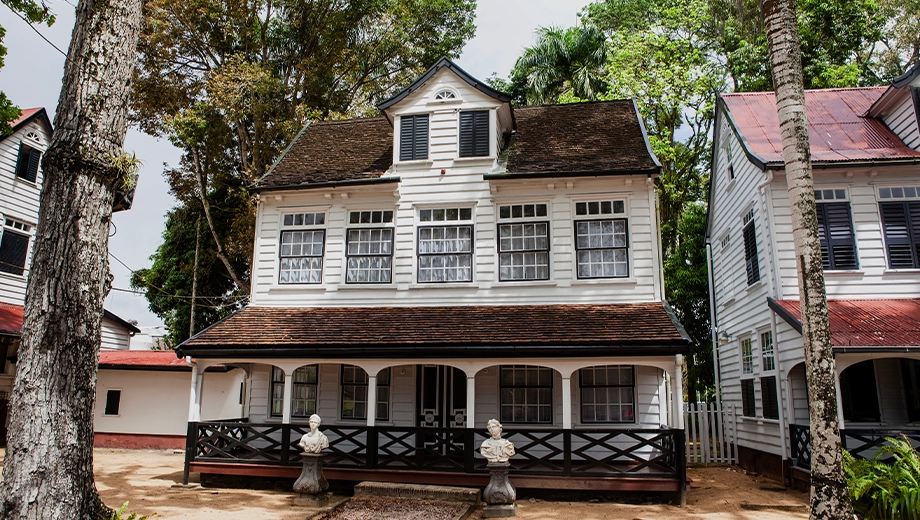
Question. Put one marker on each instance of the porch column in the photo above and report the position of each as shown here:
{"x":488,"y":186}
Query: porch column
{"x":194,"y":397}
{"x":286,"y":402}
{"x":839,"y":399}
{"x":677,"y":387}
{"x":470,"y":400}
{"x":371,"y":399}
{"x":567,"y":403}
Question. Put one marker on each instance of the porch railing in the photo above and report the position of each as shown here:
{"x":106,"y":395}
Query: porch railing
{"x":640,"y":453}
{"x":862,"y":443}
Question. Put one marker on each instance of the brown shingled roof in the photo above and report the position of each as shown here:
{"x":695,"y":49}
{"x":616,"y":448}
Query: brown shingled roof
{"x":480,"y":331}
{"x":335,"y":151}
{"x":580,"y":137}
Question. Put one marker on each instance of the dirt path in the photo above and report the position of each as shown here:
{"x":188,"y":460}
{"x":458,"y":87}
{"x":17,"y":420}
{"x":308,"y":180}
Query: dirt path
{"x":147,"y":480}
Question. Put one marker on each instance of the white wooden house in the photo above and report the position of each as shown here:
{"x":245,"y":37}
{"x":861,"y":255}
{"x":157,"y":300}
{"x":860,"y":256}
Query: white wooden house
{"x":452,"y":261}
{"x":20,"y":188}
{"x":866,"y":163}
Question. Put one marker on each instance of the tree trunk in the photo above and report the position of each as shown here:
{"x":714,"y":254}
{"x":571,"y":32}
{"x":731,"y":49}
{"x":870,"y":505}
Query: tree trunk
{"x":829,"y":496}
{"x":48,"y":469}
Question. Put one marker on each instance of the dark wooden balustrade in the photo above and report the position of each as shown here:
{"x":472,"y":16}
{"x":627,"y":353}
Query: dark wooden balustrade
{"x":862,"y":443}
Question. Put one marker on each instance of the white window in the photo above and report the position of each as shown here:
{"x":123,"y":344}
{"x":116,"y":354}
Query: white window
{"x":898,"y":192}
{"x":601,"y":241}
{"x":747,"y":357}
{"x":523,"y":242}
{"x":766,"y":349}
{"x":369,"y":248}
{"x":302,"y":242}
{"x":354,"y":393}
{"x":303,"y":392}
{"x":526,"y":394}
{"x":445,"y":245}
{"x":608,"y":394}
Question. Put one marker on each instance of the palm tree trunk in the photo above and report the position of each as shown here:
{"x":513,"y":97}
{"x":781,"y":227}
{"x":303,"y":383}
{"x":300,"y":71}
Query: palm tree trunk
{"x":48,"y":469}
{"x":829,"y":495}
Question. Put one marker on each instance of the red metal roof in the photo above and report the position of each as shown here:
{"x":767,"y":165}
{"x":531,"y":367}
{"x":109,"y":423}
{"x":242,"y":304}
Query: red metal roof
{"x":11,"y":318}
{"x":141,"y":359}
{"x":837,"y":129}
{"x":26,"y":114}
{"x":868,"y":323}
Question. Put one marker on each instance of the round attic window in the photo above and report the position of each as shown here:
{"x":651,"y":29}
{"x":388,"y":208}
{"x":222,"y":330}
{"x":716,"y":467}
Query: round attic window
{"x":445,"y":95}
{"x":34,"y":136}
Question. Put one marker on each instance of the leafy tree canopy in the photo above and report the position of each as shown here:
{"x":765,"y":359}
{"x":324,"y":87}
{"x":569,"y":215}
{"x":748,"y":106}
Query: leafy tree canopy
{"x":31,"y":12}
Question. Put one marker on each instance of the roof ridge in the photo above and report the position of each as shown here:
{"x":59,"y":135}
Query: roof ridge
{"x":770,"y":92}
{"x":593,"y":102}
{"x":350,"y":120}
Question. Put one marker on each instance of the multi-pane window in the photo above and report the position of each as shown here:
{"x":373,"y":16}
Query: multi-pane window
{"x":748,"y":405}
{"x":523,"y":243}
{"x":413,"y":137}
{"x":27,"y":162}
{"x":901,"y":225}
{"x":445,"y":245}
{"x":303,"y":392}
{"x":835,"y":230}
{"x":768,"y":394}
{"x":766,"y":350}
{"x":601,"y":243}
{"x":354,"y":393}
{"x":526,"y":394}
{"x":608,"y":394}
{"x":747,"y":357}
{"x":474,"y":133}
{"x":14,"y":246}
{"x":751,"y":265}
{"x":302,"y":241}
{"x":369,"y":247}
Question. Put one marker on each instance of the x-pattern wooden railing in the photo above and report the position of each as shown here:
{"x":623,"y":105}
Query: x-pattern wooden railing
{"x":862,"y":443}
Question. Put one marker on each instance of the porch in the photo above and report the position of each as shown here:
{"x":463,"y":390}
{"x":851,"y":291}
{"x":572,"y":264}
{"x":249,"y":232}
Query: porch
{"x":604,"y":458}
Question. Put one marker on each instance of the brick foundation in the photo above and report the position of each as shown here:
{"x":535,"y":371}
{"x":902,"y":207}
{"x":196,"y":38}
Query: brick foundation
{"x":138,"y":441}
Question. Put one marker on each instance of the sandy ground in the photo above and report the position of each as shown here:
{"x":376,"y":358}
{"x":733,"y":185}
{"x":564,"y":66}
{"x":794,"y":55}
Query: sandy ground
{"x":149,"y":480}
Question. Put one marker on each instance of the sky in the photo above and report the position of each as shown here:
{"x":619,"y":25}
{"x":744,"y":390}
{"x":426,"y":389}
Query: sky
{"x":31,"y":77}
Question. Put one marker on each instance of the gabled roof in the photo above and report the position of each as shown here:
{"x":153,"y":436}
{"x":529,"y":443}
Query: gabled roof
{"x":605,"y":137}
{"x":29,"y":114}
{"x":874,"y":324}
{"x":453,"y":67}
{"x":905,"y":79}
{"x":158,"y":360}
{"x":837,"y":130}
{"x":447,"y":331}
{"x":130,"y":326}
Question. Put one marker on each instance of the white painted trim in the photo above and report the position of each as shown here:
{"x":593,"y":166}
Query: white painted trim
{"x":371,"y":397}
{"x":286,"y":400}
{"x":567,"y":403}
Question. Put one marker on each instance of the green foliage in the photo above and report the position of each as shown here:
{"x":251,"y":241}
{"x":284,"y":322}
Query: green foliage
{"x":33,"y":12}
{"x":888,"y":490}
{"x":120,"y":514}
{"x":127,"y":166}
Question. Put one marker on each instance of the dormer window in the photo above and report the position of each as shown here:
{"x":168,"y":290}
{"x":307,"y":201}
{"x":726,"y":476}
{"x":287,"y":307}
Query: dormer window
{"x":413,"y":137}
{"x":445,"y":95}
{"x":474,"y":133}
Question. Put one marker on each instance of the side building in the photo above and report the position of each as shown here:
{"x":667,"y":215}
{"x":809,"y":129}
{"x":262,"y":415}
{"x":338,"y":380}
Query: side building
{"x":865,"y":147}
{"x":452,"y":261}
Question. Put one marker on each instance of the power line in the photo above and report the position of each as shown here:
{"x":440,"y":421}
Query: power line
{"x":164,"y":292}
{"x":42,"y":36}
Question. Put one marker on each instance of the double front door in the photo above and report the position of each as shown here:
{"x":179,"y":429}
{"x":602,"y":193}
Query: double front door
{"x":441,"y":397}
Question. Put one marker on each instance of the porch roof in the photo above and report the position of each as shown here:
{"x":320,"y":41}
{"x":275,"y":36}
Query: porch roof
{"x":877,"y":324}
{"x":443,"y":331}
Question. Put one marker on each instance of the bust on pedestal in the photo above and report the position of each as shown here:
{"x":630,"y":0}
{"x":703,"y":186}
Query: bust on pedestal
{"x":312,"y":484}
{"x":499,"y":495}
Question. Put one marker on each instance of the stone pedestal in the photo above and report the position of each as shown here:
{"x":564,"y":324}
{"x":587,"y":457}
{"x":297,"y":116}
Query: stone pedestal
{"x":499,"y":495}
{"x":312,"y":484}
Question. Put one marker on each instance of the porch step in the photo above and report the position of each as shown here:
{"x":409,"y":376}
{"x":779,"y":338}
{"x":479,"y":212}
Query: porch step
{"x":398,"y":490}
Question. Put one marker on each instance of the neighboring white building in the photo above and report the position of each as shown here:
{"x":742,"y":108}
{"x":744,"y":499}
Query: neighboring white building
{"x":865,"y":148}
{"x":452,"y":261}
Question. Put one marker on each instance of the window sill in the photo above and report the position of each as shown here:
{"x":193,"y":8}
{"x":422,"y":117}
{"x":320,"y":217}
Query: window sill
{"x":730,"y":185}
{"x":606,"y":281}
{"x":444,"y":285}
{"x":520,"y":283}
{"x":295,"y":287}
{"x":729,"y":302}
{"x":13,"y":275}
{"x":462,"y":160}
{"x":847,"y":272}
{"x":364,"y":287}
{"x":759,"y":420}
{"x":415,"y":163}
{"x":912,"y":270}
{"x":756,"y":285}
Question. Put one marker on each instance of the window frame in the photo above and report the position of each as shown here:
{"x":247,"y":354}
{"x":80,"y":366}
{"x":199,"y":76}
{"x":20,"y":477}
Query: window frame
{"x":21,"y":230}
{"x":599,"y":217}
{"x":476,"y":136}
{"x":747,"y":355}
{"x":501,"y":399}
{"x":301,"y":228}
{"x":105,"y":407}
{"x":767,"y":356}
{"x":751,"y":254}
{"x":25,"y":169}
{"x":380,"y":226}
{"x":414,"y":155}
{"x":768,"y":397}
{"x":582,"y":386}
{"x":273,"y":383}
{"x":366,"y":385}
{"x":430,"y":224}
{"x":829,"y":244}
{"x":912,"y":230}
{"x":748,"y":398}
{"x":524,"y":221}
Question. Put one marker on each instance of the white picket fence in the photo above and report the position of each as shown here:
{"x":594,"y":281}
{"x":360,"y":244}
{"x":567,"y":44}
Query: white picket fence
{"x":710,"y":433}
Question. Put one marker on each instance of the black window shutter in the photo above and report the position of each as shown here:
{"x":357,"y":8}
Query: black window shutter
{"x":768,"y":394}
{"x":747,"y":398}
{"x":413,"y":137}
{"x":835,"y":230}
{"x":474,"y":133}
{"x":13,"y":249}
{"x":750,"y":254}
{"x":27,"y":162}
{"x":32,"y":170}
{"x":900,"y":232}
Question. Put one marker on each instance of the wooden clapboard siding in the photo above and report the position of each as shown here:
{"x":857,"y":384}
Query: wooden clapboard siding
{"x":901,"y":118}
{"x":114,"y":336}
{"x":19,"y":200}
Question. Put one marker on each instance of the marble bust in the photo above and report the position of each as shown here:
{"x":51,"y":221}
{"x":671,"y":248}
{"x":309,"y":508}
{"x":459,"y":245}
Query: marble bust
{"x":314,"y":441}
{"x":496,"y":449}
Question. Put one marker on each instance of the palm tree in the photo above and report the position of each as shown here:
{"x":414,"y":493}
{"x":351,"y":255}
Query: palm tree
{"x":564,"y":61}
{"x":829,"y":496}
